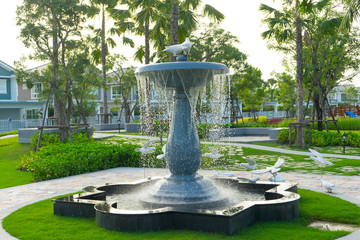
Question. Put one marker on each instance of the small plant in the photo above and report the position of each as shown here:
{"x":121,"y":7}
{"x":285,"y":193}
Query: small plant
{"x":8,"y":141}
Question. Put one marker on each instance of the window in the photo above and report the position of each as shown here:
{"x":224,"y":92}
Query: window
{"x":115,"y":92}
{"x":33,"y":114}
{"x":37,"y":88}
{"x":3,"y":86}
{"x":343,"y":97}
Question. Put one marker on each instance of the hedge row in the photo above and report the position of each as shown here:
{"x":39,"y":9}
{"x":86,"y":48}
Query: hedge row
{"x":8,"y":141}
{"x":67,"y":159}
{"x":322,"y":139}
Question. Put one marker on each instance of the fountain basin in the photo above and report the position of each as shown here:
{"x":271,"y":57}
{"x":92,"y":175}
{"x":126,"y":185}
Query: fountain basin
{"x":182,"y":75}
{"x":281,"y":202}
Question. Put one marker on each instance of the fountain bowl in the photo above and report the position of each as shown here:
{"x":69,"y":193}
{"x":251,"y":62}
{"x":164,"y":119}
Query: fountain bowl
{"x":281,"y":203}
{"x":182,"y":75}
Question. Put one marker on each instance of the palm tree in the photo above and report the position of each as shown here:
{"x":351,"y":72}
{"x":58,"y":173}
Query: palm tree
{"x":281,"y":28}
{"x":352,"y":13}
{"x":184,"y":19}
{"x":103,"y":5}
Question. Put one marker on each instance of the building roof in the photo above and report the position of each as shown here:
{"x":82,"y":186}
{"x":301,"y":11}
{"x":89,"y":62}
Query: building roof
{"x":6,"y":66}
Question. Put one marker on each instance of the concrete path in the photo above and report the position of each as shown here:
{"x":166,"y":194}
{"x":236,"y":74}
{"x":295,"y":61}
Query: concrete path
{"x":11,"y":199}
{"x":231,"y":142}
{"x":9,"y":136}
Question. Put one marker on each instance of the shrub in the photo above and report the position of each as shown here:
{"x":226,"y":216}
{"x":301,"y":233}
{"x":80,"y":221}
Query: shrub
{"x":54,"y":138}
{"x":66,"y":159}
{"x":321,"y":139}
{"x":8,"y":141}
{"x":260,"y":120}
{"x":286,"y":122}
{"x":203,"y":129}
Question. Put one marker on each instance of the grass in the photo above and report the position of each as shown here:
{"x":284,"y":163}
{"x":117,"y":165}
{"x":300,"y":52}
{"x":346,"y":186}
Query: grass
{"x":9,"y":159}
{"x":39,"y":223}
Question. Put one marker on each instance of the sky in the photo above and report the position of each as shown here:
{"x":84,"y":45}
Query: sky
{"x":242,"y":19}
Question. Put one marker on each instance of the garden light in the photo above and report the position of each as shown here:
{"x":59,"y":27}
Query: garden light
{"x":344,"y":137}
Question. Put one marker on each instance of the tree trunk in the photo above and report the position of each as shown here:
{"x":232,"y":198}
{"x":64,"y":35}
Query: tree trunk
{"x":300,"y":139}
{"x":316,"y":83}
{"x":174,"y":24}
{"x":148,"y":115}
{"x":59,"y":108}
{"x":103,"y":62}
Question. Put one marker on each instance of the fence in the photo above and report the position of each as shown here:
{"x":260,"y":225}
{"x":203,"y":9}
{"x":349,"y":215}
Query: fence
{"x":12,"y":125}
{"x":269,"y":114}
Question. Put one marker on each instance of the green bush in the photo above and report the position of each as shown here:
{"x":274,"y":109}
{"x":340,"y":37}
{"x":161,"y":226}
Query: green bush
{"x":66,"y":159}
{"x":286,"y":122}
{"x":321,"y":139}
{"x":8,"y":141}
{"x":203,"y":129}
{"x":54,"y":138}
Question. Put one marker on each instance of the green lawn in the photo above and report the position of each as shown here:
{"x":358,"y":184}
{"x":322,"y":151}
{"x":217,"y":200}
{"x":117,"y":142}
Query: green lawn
{"x":9,"y":159}
{"x":39,"y":223}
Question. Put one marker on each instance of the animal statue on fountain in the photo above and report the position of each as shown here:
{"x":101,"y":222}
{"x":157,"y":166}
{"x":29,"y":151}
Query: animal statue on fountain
{"x":319,"y":159}
{"x":213,"y":154}
{"x":178,"y":48}
{"x":146,"y":149}
{"x":162,"y":156}
{"x":251,"y":165}
{"x":274,"y":171}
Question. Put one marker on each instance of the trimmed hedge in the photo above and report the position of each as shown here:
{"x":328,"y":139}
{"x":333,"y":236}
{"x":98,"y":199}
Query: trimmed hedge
{"x":321,"y":139}
{"x":8,"y":141}
{"x":343,"y":123}
{"x":67,"y":159}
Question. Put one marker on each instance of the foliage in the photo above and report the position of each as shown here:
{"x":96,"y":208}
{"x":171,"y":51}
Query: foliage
{"x":8,"y":141}
{"x":203,"y":129}
{"x":39,"y":222}
{"x":285,"y":122}
{"x":8,"y":133}
{"x":124,"y":80}
{"x":53,"y":138}
{"x":322,"y":139}
{"x":259,"y":120}
{"x":67,"y":159}
{"x":52,"y":29}
{"x":286,"y":92}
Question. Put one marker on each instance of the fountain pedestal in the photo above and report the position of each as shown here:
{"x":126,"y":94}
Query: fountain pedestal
{"x":183,"y":150}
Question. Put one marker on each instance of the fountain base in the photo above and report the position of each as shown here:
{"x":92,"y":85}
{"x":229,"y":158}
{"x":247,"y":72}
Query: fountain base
{"x":187,"y":191}
{"x":279,"y":202}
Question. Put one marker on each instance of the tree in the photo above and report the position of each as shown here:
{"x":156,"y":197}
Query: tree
{"x":183,"y":17}
{"x":125,"y":80}
{"x":286,"y":92}
{"x":285,"y":27}
{"x":85,"y":81}
{"x":49,"y":28}
{"x":352,"y":13}
{"x":213,"y":44}
{"x":351,"y":94}
{"x":100,"y":38}
{"x":252,"y":91}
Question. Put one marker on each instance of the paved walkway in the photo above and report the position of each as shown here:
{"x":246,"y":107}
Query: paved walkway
{"x":11,"y":199}
{"x":231,"y":142}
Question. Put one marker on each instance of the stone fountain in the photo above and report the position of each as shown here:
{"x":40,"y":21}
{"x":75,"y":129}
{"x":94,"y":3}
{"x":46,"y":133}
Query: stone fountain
{"x":185,"y":199}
